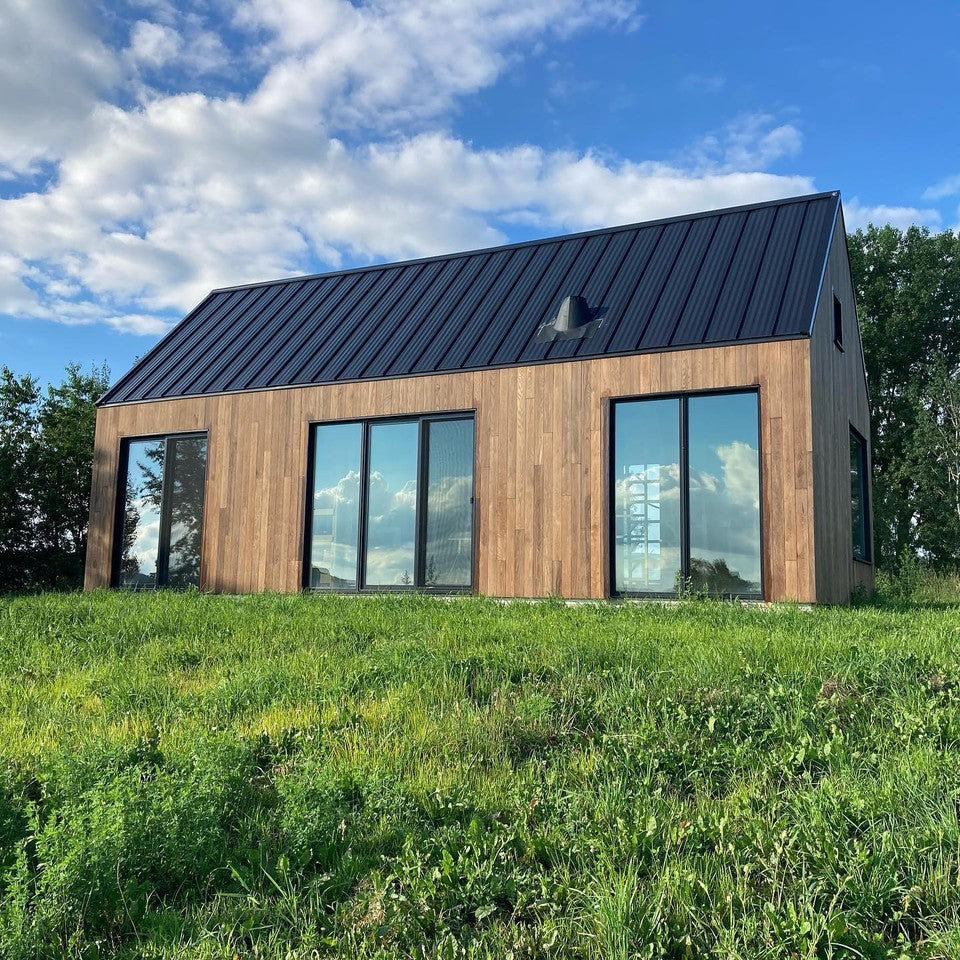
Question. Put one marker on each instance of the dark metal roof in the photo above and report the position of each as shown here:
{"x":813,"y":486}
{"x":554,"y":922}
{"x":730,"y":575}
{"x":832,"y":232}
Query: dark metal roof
{"x":726,"y":276}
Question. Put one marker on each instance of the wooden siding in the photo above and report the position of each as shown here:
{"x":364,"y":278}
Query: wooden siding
{"x":541,"y":465}
{"x":839,"y":391}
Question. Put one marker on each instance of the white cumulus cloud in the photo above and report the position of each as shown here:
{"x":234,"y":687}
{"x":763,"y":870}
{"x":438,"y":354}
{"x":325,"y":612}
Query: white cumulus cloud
{"x":858,"y":215}
{"x":339,"y":149}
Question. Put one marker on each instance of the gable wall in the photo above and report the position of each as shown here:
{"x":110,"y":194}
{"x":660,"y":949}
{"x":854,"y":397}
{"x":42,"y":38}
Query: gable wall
{"x":541,"y":465}
{"x":839,"y":393}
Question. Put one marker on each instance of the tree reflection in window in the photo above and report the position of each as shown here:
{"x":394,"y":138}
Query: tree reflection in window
{"x":141,"y":515}
{"x":162,"y":524}
{"x":185,"y":483}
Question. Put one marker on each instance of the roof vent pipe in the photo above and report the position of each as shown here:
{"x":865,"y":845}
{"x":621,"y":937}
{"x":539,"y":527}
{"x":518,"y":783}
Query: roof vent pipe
{"x":575,"y":320}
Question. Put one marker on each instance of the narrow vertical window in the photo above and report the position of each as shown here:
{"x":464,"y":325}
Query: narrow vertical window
{"x":161,"y":526}
{"x":389,"y":554}
{"x":858,"y":496}
{"x":335,"y":510}
{"x":186,"y":473}
{"x":448,"y":551}
{"x":647,"y":496}
{"x":140,"y":536}
{"x":724,"y":485}
{"x":837,"y":322}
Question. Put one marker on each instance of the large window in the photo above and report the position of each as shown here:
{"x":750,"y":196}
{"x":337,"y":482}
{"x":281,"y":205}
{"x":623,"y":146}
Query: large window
{"x":392,"y":505}
{"x":858,"y":496}
{"x":686,"y":497}
{"x":160,"y":527}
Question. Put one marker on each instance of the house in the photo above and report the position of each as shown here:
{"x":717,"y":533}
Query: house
{"x":610,"y":413}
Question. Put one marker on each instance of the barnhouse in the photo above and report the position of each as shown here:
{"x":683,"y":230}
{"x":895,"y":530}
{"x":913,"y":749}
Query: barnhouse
{"x":618,"y":413}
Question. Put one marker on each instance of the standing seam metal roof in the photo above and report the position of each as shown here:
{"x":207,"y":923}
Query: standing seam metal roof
{"x":744,"y":274}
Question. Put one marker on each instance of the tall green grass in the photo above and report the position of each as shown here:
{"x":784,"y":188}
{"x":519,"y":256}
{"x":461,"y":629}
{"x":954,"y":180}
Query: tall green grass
{"x":196,"y":776}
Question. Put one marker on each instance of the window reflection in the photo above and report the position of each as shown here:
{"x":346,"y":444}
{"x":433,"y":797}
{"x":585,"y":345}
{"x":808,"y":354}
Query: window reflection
{"x":858,"y":496}
{"x":712,"y":491}
{"x":162,"y":524}
{"x":141,"y":514}
{"x":336,"y":506}
{"x":393,"y":498}
{"x":392,"y":504}
{"x":724,"y":492}
{"x":188,"y":461}
{"x":449,"y":527}
{"x":647,"y":496}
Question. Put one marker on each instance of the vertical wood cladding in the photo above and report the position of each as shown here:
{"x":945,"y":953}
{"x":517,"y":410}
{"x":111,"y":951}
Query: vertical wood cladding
{"x":839,"y":393}
{"x":542,"y":435}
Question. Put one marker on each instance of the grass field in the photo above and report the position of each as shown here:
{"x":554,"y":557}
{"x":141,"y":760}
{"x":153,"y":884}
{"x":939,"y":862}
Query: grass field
{"x":197,"y":776}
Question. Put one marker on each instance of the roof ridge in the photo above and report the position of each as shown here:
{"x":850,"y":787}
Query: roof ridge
{"x":697,"y":215}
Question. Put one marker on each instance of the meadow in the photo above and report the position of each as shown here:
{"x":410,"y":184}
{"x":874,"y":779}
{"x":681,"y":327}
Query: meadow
{"x":194,"y":776}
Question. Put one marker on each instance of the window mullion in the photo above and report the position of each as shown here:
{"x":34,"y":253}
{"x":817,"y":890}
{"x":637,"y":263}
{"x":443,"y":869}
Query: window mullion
{"x":420,"y":522}
{"x":684,"y":481}
{"x":163,"y":546}
{"x":364,"y":503}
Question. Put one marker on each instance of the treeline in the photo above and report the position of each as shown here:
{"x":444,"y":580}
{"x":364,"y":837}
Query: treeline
{"x":908,"y":300}
{"x":46,"y":453}
{"x":908,"y":294}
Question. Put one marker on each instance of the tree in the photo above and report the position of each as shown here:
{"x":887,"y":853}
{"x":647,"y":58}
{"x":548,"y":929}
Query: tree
{"x":67,"y":420}
{"x":908,"y":293}
{"x":936,"y":464}
{"x":18,"y":428}
{"x":46,"y":456}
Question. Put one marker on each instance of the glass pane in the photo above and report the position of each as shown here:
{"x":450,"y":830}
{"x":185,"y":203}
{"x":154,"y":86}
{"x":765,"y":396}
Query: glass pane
{"x":448,"y":559}
{"x":141,"y":514}
{"x":647,"y":496}
{"x":857,"y":459}
{"x":185,"y":482}
{"x":336,"y":506}
{"x":724,"y":493}
{"x":392,"y":504}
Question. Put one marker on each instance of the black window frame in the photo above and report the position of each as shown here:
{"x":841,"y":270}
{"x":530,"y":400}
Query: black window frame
{"x":838,"y":323}
{"x":418,"y":585}
{"x":683,"y":426}
{"x":857,"y":437}
{"x":163,"y":546}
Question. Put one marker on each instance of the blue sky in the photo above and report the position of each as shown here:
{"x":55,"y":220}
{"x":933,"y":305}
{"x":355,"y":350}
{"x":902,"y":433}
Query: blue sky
{"x":152,"y":150}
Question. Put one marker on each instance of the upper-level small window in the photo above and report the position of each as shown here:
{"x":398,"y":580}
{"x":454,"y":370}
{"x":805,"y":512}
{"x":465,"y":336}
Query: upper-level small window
{"x":837,"y":322}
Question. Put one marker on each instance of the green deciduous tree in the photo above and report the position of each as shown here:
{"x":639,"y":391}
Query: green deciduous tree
{"x":936,"y":460}
{"x":18,"y":429}
{"x":908,"y":293}
{"x":46,"y":453}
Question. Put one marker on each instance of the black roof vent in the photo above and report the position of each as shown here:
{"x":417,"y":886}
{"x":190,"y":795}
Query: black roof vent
{"x":575,"y":320}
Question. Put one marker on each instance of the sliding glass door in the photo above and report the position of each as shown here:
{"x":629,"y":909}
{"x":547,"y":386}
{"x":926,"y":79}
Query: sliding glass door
{"x":160,"y":528}
{"x":392,"y":505}
{"x":686,"y":495}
